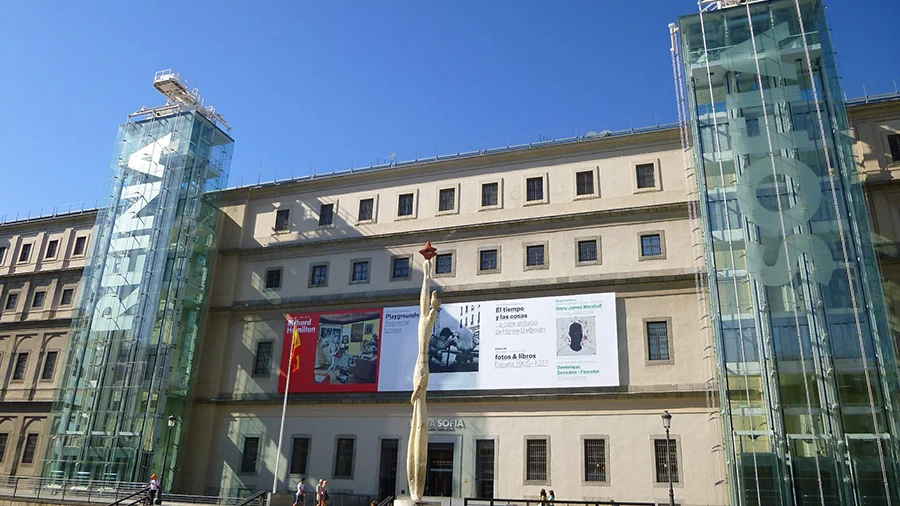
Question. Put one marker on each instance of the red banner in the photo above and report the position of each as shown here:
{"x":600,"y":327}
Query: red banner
{"x":339,"y":351}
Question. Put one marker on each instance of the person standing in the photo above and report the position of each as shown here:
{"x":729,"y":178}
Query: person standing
{"x":543,"y":497}
{"x":552,"y":497}
{"x":325,"y":493}
{"x":154,"y":487}
{"x":300,"y":499}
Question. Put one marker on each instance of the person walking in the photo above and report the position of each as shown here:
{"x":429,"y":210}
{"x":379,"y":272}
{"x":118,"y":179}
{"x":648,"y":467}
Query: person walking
{"x":154,"y":487}
{"x":319,"y":488}
{"x":552,"y":497}
{"x":300,"y":499}
{"x":324,"y":492}
{"x":543,"y":497}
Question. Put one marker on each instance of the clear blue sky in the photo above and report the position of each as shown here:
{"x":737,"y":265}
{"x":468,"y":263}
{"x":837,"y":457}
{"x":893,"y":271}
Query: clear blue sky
{"x":316,"y":86}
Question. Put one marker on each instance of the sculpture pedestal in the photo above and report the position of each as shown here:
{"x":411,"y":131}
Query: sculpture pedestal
{"x":425,"y":501}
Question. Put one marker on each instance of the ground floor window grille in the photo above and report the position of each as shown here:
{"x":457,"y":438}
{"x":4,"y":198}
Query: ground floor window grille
{"x":536,"y":460}
{"x":662,"y":472}
{"x":484,"y":468}
{"x":595,"y":460}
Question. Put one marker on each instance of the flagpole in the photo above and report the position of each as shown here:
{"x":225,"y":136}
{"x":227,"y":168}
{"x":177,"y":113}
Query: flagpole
{"x":287,"y":385}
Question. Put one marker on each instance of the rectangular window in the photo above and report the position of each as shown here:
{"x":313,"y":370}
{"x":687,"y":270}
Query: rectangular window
{"x":587,"y":251}
{"x":894,"y":144}
{"x":366,"y":210}
{"x":447,"y":201}
{"x":534,"y":255}
{"x":318,"y":275}
{"x":444,"y":264}
{"x":80,"y":244}
{"x":664,"y":462}
{"x":68,"y":297}
{"x":282,"y":219}
{"x":326,"y":214}
{"x":2,"y":253}
{"x":490,"y":194}
{"x":484,"y":468}
{"x":651,"y":246}
{"x":25,"y":254}
{"x":4,"y":438}
{"x":262,"y":366}
{"x":343,"y":458}
{"x":21,"y":364}
{"x":646,"y":175}
{"x":595,"y":460}
{"x":405,"y":205}
{"x":31,"y":441}
{"x":536,"y":460}
{"x":49,"y":365}
{"x":300,"y":455}
{"x":273,"y":278}
{"x":487,"y":260}
{"x":584,"y":183}
{"x":52,"y":248}
{"x":400,"y":268}
{"x":38,"y":301}
{"x":11,"y":300}
{"x":534,"y":189}
{"x":360,"y":271}
{"x":658,"y":340}
{"x":250,"y":455}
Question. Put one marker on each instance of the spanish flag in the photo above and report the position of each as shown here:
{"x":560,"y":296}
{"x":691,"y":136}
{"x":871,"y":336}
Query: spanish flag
{"x":295,"y":348}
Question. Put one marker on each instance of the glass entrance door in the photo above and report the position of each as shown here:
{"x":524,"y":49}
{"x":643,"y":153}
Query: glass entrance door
{"x":439,"y":474}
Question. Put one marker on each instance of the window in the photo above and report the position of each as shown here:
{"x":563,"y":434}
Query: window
{"x":366,"y":210}
{"x":2,"y":253}
{"x":534,"y":256}
{"x":250,"y":455}
{"x":38,"y":301}
{"x":405,"y":205}
{"x":19,"y":368}
{"x":584,"y":183}
{"x":360,"y":272}
{"x":663,"y":461}
{"x":446,"y":202}
{"x":490,"y":194}
{"x":484,"y":468}
{"x":894,"y":144}
{"x":80,"y":243}
{"x":300,"y":455}
{"x":400,"y":268}
{"x":262,"y":366}
{"x":534,"y":189}
{"x":318,"y":275}
{"x":30,"y":448}
{"x":4,"y":438}
{"x":282,"y":220}
{"x":651,"y":246}
{"x":49,"y":365}
{"x":68,"y":297}
{"x":536,"y":453}
{"x":444,"y":263}
{"x":11,"y":300}
{"x":658,"y":340}
{"x":25,"y":253}
{"x":646,"y":175}
{"x":487,"y":260}
{"x":595,"y":460}
{"x":326,"y":214}
{"x":587,"y":251}
{"x":52,"y":247}
{"x":343,"y":458}
{"x":273,"y":278}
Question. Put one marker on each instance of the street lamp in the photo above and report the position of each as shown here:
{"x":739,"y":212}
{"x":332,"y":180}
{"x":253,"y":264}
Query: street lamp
{"x":162,"y":474}
{"x":667,"y":423}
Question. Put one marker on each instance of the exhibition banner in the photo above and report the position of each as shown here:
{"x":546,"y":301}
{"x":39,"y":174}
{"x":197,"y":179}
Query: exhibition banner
{"x":546,"y":342}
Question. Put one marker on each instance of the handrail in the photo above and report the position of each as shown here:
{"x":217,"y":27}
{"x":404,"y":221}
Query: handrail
{"x":386,"y":500}
{"x":545,"y":502}
{"x":252,"y":498}
{"x":145,"y":491}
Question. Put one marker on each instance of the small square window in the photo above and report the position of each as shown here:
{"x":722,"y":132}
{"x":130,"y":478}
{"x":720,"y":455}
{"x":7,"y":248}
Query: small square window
{"x":490,"y":194}
{"x":446,"y":197}
{"x":273,"y":279}
{"x":405,"y":205}
{"x":250,"y":455}
{"x":658,"y":340}
{"x":25,"y":254}
{"x":646,"y":175}
{"x":326,"y":214}
{"x":20,"y":366}
{"x":651,"y":246}
{"x":444,"y":264}
{"x":318,"y":276}
{"x":400,"y":268}
{"x":366,"y":210}
{"x":587,"y":251}
{"x":360,"y":272}
{"x":894,"y":145}
{"x":488,"y":260}
{"x":52,"y":248}
{"x":11,"y":300}
{"x":68,"y":297}
{"x":534,"y":189}
{"x":38,"y":301}
{"x":49,"y":365}
{"x":80,"y":245}
{"x":282,"y":220}
{"x":262,"y":366}
{"x":534,"y":255}
{"x":584,"y":183}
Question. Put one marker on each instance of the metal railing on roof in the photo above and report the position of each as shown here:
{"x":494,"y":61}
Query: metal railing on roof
{"x":54,"y":212}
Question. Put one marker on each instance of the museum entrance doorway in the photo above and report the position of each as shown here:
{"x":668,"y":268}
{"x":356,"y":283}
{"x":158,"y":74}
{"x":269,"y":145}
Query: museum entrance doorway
{"x":439,"y":473}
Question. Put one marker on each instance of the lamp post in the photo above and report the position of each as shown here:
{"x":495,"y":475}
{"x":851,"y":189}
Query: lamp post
{"x":162,"y":474}
{"x":667,"y":422}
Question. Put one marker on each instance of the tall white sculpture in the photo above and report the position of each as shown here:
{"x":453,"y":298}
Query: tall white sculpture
{"x":416,"y":458}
